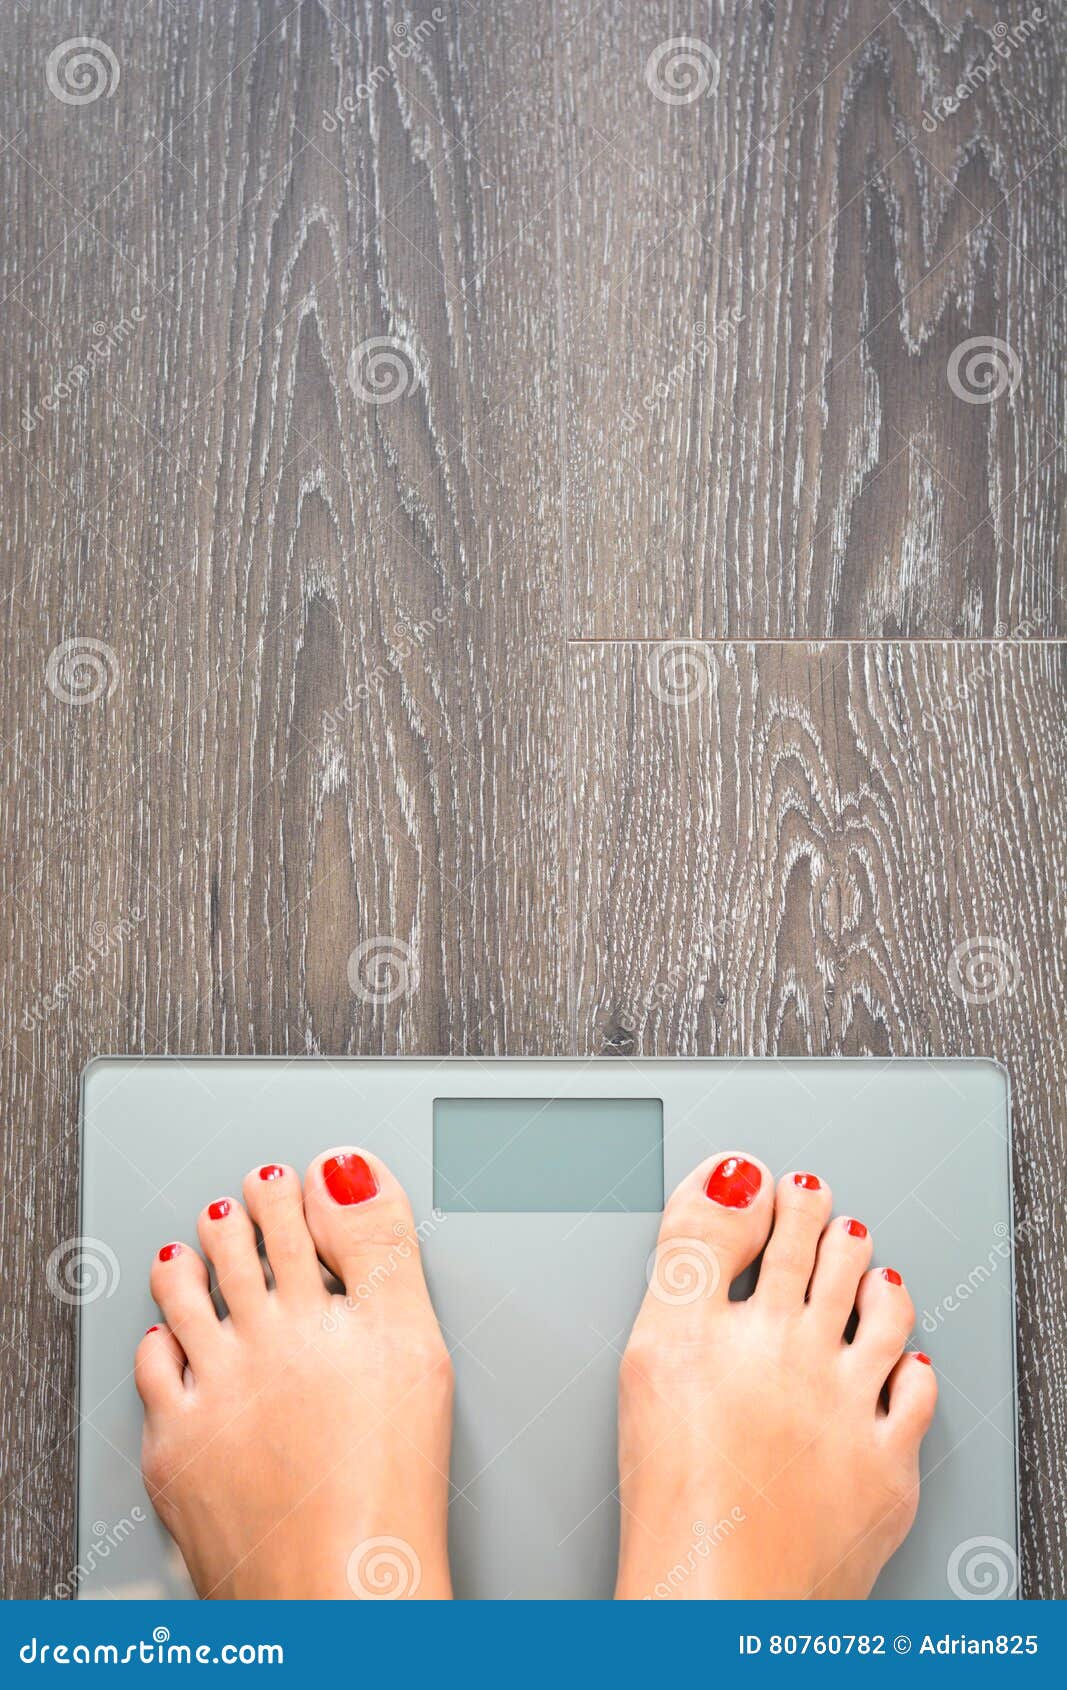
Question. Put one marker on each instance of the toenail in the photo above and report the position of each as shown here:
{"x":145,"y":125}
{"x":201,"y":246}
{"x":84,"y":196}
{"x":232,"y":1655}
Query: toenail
{"x":892,"y":1275}
{"x":920,"y":1356}
{"x":855,"y":1229}
{"x":271,"y":1171}
{"x":349,"y":1179}
{"x":169,"y":1251}
{"x":218,"y":1211}
{"x":809,"y":1182}
{"x":150,"y":1330}
{"x":734,"y":1183}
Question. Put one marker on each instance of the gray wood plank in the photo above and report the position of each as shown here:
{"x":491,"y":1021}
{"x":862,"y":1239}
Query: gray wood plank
{"x":776,"y":240}
{"x":329,"y":700}
{"x":844,"y":850}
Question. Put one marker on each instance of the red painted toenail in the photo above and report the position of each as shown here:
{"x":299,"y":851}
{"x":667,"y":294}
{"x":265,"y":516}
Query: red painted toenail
{"x":892,"y":1275}
{"x":808,"y":1182}
{"x":919,"y":1356}
{"x":218,"y":1211}
{"x":855,"y":1229}
{"x":734,"y":1183}
{"x":349,"y":1179}
{"x":169,"y":1251}
{"x":151,"y":1329}
{"x":271,"y":1171}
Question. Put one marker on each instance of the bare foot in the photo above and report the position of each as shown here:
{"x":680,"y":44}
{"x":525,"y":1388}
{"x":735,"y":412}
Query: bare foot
{"x":300,"y":1448}
{"x":760,"y":1454}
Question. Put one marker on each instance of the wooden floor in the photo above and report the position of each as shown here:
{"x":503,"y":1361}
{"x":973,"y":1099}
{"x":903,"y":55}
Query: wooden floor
{"x":581,"y":510}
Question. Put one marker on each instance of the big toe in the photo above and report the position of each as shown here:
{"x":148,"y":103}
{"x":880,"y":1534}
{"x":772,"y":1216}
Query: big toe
{"x":360,"y":1219}
{"x":714,"y":1226}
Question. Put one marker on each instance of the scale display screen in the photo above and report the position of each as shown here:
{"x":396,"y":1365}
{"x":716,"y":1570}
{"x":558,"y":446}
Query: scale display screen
{"x":543,"y":1155}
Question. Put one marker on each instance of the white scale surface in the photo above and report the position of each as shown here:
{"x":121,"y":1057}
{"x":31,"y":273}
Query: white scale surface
{"x":537,"y":1284}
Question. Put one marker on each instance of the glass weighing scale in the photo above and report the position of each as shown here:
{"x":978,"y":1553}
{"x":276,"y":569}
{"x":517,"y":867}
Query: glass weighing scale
{"x":538,"y":1184}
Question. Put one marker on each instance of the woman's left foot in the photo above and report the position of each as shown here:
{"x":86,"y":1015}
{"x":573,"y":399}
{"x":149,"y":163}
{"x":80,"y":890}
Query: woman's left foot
{"x":760,"y":1454}
{"x":300,"y":1447}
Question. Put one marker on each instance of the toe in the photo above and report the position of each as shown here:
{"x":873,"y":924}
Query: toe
{"x":228,"y":1240}
{"x":714,"y":1226}
{"x":361,"y":1221}
{"x":276,"y":1203}
{"x":912,"y":1397}
{"x":179,"y":1285}
{"x":801,"y":1210}
{"x":159,"y":1368}
{"x":886,"y":1316}
{"x":843,"y":1257}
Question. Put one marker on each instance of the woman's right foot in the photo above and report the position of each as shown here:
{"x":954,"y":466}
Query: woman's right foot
{"x":760,"y":1454}
{"x":300,"y":1447}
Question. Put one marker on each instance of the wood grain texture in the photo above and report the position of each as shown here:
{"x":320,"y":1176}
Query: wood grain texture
{"x":781,"y":849}
{"x":767,"y":283}
{"x":330,"y":703}
{"x":334,"y":703}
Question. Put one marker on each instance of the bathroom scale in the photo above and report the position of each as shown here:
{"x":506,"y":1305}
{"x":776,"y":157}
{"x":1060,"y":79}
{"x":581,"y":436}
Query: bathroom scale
{"x":537,"y":1186}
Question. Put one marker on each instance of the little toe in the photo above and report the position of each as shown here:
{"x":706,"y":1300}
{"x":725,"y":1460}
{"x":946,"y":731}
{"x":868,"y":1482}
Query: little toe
{"x":275,"y":1201}
{"x":159,"y":1369}
{"x":912,"y":1391}
{"x":886,"y":1317}
{"x":843,"y":1257}
{"x":179,"y":1285}
{"x":801,"y":1209}
{"x":714,"y":1226}
{"x":360,"y":1219}
{"x":228,"y":1240}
